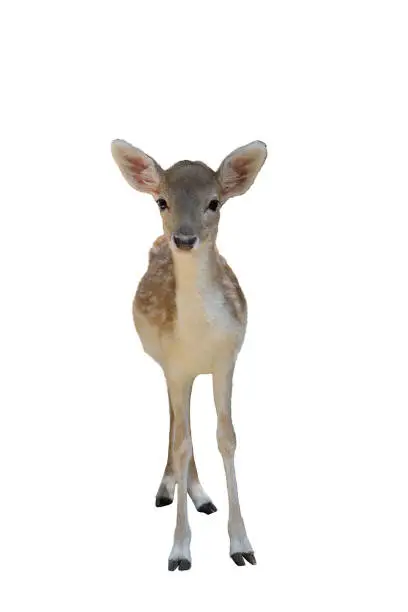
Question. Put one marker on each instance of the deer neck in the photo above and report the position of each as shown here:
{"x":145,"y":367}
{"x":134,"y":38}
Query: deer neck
{"x":195,"y":270}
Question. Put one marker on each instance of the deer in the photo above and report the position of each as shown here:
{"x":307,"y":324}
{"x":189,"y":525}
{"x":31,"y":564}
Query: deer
{"x":191,"y":315}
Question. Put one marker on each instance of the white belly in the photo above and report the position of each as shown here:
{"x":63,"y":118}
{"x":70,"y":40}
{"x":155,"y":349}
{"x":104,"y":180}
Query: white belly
{"x":203,"y":333}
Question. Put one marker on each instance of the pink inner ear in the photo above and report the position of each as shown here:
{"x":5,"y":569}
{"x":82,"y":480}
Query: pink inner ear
{"x":241,"y":165}
{"x":138,"y":167}
{"x":137,"y":164}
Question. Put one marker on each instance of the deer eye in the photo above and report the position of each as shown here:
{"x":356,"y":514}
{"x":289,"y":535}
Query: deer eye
{"x":162,"y":203}
{"x":213,"y":205}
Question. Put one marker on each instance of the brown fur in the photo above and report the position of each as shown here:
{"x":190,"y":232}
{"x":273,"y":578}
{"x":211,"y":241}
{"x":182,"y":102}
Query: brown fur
{"x":156,"y":294}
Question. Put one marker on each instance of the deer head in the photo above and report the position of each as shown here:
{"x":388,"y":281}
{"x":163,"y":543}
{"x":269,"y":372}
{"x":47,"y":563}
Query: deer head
{"x":190,"y":194}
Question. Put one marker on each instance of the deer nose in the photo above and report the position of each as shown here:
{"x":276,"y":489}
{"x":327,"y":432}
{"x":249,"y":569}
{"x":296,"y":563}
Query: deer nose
{"x":183,"y":241}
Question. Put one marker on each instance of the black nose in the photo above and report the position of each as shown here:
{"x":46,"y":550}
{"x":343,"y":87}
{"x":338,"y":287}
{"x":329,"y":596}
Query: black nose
{"x":184,"y":242}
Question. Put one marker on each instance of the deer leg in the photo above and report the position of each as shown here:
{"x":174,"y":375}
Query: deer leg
{"x":180,"y":392}
{"x":240,"y":546}
{"x":199,"y":497}
{"x":165,"y":493}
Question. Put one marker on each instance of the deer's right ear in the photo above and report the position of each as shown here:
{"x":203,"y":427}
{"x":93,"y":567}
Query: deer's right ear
{"x":140,"y":170}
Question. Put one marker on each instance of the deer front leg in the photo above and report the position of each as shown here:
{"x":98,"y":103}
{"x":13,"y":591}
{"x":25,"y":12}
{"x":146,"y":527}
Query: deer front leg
{"x":240,"y":546}
{"x":165,"y":493}
{"x":180,"y":391}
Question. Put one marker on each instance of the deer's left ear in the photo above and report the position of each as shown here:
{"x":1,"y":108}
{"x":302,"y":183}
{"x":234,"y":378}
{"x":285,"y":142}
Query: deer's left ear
{"x":239,"y":169}
{"x":140,"y":170}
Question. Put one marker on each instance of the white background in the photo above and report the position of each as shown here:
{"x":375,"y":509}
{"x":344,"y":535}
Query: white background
{"x":319,"y":245}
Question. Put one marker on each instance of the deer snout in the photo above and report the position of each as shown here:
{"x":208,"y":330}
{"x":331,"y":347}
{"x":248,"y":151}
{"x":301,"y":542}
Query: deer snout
{"x":184,"y":241}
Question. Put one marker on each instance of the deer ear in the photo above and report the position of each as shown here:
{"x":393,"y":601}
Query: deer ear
{"x":239,"y":169}
{"x":140,"y":170}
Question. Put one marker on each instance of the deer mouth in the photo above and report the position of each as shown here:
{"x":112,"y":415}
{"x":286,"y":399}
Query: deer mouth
{"x":184,"y":242}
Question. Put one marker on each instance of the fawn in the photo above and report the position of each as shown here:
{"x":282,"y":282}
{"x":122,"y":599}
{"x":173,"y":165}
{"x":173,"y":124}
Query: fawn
{"x":190,"y":314}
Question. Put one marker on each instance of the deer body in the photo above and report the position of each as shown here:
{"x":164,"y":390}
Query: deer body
{"x":207,"y":306}
{"x":190,"y":314}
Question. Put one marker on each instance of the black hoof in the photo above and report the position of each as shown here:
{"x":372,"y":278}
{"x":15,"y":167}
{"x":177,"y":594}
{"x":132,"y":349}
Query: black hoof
{"x":239,"y":558}
{"x":173,"y":564}
{"x":250,"y":557}
{"x":163,"y":501}
{"x":182,"y":564}
{"x":207,"y":508}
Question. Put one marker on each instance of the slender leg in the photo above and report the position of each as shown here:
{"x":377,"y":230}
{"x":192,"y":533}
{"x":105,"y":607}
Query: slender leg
{"x":200,"y":499}
{"x":240,"y":546}
{"x":165,"y":493}
{"x":180,"y":391}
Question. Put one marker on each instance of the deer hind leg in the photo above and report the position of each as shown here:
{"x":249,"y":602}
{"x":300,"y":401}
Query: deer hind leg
{"x":240,"y":546}
{"x":165,"y":493}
